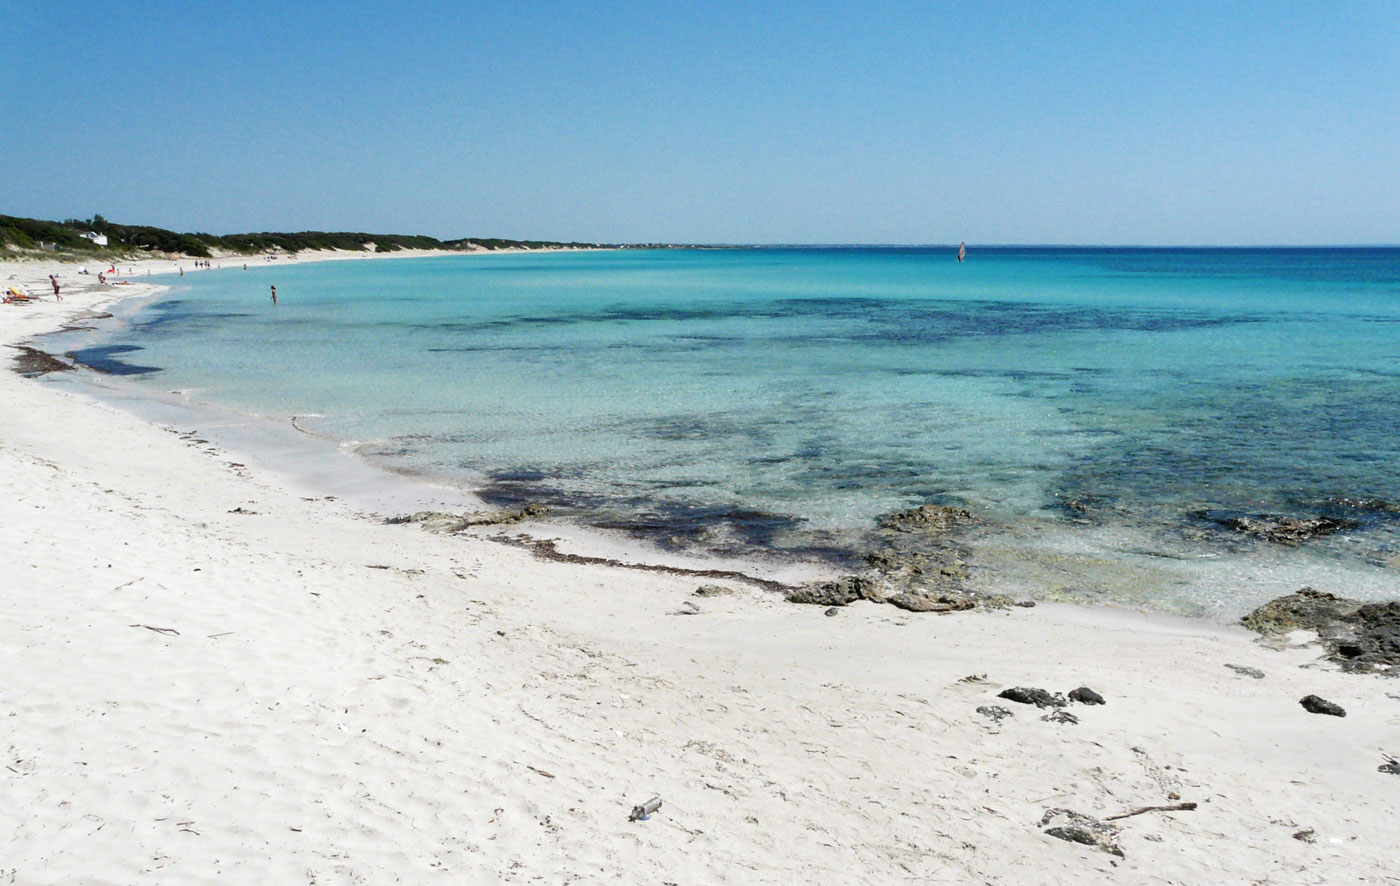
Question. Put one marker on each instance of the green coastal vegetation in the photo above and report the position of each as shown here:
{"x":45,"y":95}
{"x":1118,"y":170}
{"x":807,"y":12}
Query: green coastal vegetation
{"x":83,"y":238}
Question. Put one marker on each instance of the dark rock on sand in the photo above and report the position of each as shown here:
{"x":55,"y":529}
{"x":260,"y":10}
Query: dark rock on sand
{"x":1085,"y":695}
{"x":1281,"y":529}
{"x":713,"y":591}
{"x":935,"y":519}
{"x":833,"y":611}
{"x":1075,"y":827}
{"x":835,"y":593}
{"x":847,"y":590}
{"x":1246,"y":672}
{"x":1059,"y":716}
{"x":444,"y":522}
{"x":1315,"y":705}
{"x":918,"y":568}
{"x":1391,"y":765}
{"x":996,"y":713}
{"x":1359,"y":636}
{"x":1038,"y":697}
{"x":1307,"y":610}
{"x":920,"y":601}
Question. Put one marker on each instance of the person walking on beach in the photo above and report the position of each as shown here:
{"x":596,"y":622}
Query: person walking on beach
{"x":274,"y":295}
{"x":54,"y":281}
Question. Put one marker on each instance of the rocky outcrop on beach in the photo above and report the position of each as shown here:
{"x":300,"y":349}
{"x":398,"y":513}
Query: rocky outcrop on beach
{"x":445,"y":522}
{"x":850,"y":588}
{"x":924,"y":601}
{"x":835,"y":593}
{"x":919,"y":565}
{"x":1361,"y":637}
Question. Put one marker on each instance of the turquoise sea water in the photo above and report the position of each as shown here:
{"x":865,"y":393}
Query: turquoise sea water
{"x":1100,"y":409}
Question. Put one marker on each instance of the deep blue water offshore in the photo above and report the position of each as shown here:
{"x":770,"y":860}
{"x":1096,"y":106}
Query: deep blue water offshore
{"x":1096,"y":407}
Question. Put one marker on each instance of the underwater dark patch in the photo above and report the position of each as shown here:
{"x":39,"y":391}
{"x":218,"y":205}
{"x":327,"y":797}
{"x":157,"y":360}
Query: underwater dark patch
{"x":105,"y":359}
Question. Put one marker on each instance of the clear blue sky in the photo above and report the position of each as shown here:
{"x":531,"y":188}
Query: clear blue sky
{"x":908,"y":122}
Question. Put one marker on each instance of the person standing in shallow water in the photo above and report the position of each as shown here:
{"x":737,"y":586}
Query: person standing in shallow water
{"x":274,"y":295}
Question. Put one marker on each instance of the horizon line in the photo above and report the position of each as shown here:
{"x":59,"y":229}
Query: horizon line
{"x":970,"y":245}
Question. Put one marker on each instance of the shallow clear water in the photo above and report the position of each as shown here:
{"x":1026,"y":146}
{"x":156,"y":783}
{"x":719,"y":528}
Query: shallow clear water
{"x":1089,"y":404}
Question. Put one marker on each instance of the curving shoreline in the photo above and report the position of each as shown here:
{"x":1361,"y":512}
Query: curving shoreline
{"x":193,"y":643}
{"x":1066,"y":515}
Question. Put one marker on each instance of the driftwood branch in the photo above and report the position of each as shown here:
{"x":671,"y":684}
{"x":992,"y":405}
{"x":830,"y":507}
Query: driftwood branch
{"x":156,"y":629}
{"x":1175,"y":807}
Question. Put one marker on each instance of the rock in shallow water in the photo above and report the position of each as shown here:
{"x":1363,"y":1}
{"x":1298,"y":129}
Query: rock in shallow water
{"x":926,"y":518}
{"x":1316,"y":705}
{"x":1284,"y":530}
{"x":1028,"y":695}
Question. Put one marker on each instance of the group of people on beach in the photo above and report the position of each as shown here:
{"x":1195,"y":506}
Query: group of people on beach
{"x":102,"y":278}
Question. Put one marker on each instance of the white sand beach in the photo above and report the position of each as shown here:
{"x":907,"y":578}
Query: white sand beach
{"x":210,"y":672}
